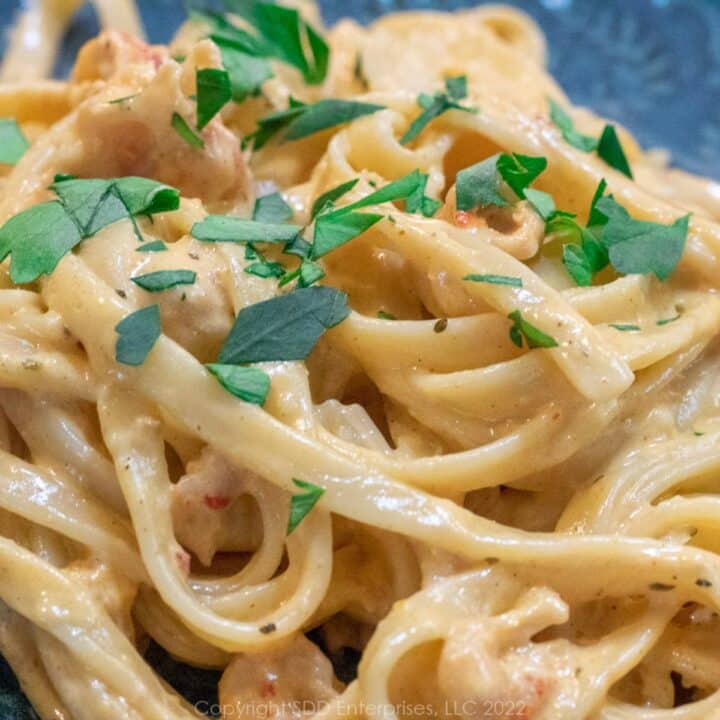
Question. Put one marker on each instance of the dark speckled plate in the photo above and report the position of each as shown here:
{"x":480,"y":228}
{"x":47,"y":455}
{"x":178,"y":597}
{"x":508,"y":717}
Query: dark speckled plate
{"x":654,"y":65}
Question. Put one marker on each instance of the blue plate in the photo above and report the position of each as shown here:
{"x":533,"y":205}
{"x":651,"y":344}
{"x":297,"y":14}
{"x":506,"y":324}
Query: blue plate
{"x":653,"y":65}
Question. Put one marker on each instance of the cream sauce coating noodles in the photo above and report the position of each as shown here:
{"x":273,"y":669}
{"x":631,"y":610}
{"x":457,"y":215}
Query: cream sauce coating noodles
{"x":504,"y":532}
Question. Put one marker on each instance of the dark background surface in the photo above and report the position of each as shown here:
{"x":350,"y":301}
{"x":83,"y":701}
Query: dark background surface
{"x":653,"y":65}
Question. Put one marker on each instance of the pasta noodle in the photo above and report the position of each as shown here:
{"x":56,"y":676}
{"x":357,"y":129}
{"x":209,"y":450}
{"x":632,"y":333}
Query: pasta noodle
{"x":492,"y":476}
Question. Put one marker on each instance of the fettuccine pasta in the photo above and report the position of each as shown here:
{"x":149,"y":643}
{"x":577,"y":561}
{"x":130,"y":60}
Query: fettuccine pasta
{"x":360,"y":342}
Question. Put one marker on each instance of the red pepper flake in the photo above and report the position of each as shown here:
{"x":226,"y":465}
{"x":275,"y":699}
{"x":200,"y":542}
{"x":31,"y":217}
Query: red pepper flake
{"x":462,"y":218}
{"x":217,"y":502}
{"x":267,"y":689}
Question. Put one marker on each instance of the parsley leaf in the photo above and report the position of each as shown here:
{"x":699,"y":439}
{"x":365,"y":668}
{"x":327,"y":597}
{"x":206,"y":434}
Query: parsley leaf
{"x":41,"y":236}
{"x":611,"y":151}
{"x":534,"y":337}
{"x":564,"y":122}
{"x":286,"y":35}
{"x":641,"y":247}
{"x":138,"y":334}
{"x":301,"y":120}
{"x":164,"y":279}
{"x":247,"y":383}
{"x":542,"y":202}
{"x":480,"y":185}
{"x":596,"y":218}
{"x":328,"y":198}
{"x":520,"y":171}
{"x":437,"y":104}
{"x":271,"y":208}
{"x":154,"y":246}
{"x":286,"y":327}
{"x":417,"y":201}
{"x":181,"y":127}
{"x":382,"y":315}
{"x":608,"y":145}
{"x":246,"y":71}
{"x":38,"y":239}
{"x":496,"y":279}
{"x":302,"y":503}
{"x":13,"y":143}
{"x":667,"y":321}
{"x":214,"y":91}
{"x":264,"y":269}
{"x":228,"y":228}
{"x":337,"y":228}
{"x":624,"y":327}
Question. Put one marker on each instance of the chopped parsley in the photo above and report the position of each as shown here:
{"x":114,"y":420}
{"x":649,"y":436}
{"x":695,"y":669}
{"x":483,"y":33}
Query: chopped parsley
{"x":336,"y":227}
{"x":302,"y":503}
{"x":181,"y":127}
{"x":164,"y":279}
{"x":542,"y":202}
{"x":495,"y":279}
{"x":264,"y":269}
{"x":417,"y":201}
{"x":625,"y":327}
{"x":39,"y":237}
{"x":13,"y":142}
{"x":435,"y":105}
{"x":214,"y":91}
{"x":608,"y":146}
{"x":564,"y":122}
{"x":326,"y":200}
{"x":228,"y":228}
{"x":382,"y":315}
{"x":534,"y":337}
{"x":272,"y":209}
{"x":247,"y":383}
{"x":286,"y":327}
{"x":138,"y":334}
{"x":154,"y":246}
{"x":480,"y":184}
{"x":120,"y":100}
{"x":667,"y":321}
{"x":301,"y":120}
{"x":637,"y":246}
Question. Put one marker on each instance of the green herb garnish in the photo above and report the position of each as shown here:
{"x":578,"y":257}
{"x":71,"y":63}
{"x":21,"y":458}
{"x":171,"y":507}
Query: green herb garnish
{"x":302,"y":503}
{"x":382,"y":315}
{"x":437,"y":104}
{"x":327,"y":199}
{"x":480,"y":184}
{"x":272,"y":209}
{"x":417,"y":201}
{"x":534,"y":337}
{"x":247,"y":383}
{"x":13,"y":142}
{"x":228,"y":228}
{"x":637,"y":246}
{"x":495,"y":279}
{"x":335,"y":228}
{"x":181,"y":127}
{"x":564,"y":122}
{"x":624,"y":327}
{"x":286,"y":327}
{"x":667,"y":321}
{"x":138,"y":334}
{"x":608,"y":145}
{"x":154,"y":246}
{"x":214,"y":91}
{"x":39,"y":237}
{"x":164,"y":279}
{"x":120,"y":100}
{"x":611,"y":151}
{"x":264,"y":269}
{"x":301,"y":120}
